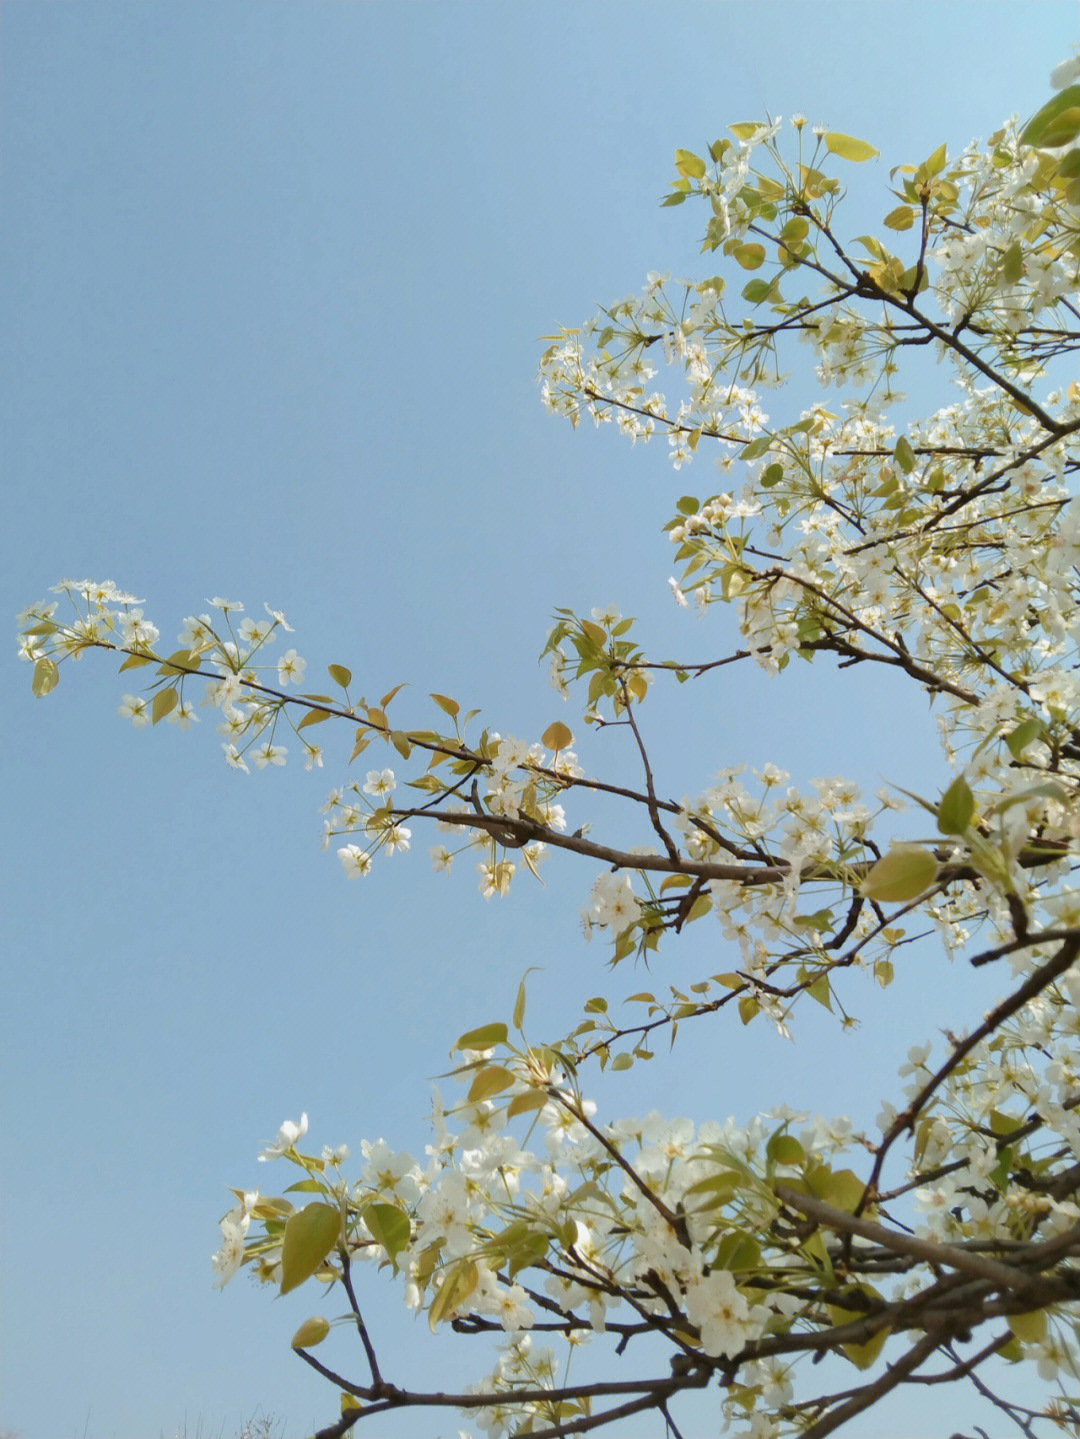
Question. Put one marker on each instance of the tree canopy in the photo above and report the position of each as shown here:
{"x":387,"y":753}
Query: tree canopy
{"x":716,"y":1257}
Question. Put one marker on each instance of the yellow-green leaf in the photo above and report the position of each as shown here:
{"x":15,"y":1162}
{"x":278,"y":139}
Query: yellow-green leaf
{"x":956,"y":808}
{"x":1042,"y":128}
{"x":1012,"y":263}
{"x":447,"y":705}
{"x":689,"y":164}
{"x":785,"y":1149}
{"x":905,"y":455}
{"x":902,"y":218}
{"x":485,"y":1037}
{"x":1029,"y":1328}
{"x":134,"y":661}
{"x":340,"y":675}
{"x":388,"y":1226}
{"x":557,"y":736}
{"x":180,"y":662}
{"x":847,"y":147}
{"x":461,"y":1279}
{"x":400,"y":741}
{"x":750,"y":257}
{"x":906,"y":871}
{"x":312,"y":717}
{"x":46,"y":677}
{"x":820,"y":991}
{"x":309,"y":1236}
{"x":863,"y":1355}
{"x":313,"y":1331}
{"x":525,"y":1102}
{"x":492,"y":1079}
{"x":843,"y":1189}
{"x":1025,"y":733}
{"x":165,"y":701}
{"x":748,"y":1007}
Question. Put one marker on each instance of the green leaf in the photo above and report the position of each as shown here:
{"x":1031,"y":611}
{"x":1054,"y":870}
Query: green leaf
{"x":400,"y":741}
{"x":902,"y":218}
{"x":820,"y":991}
{"x":1012,"y":263}
{"x":133,"y":662}
{"x":935,"y":163}
{"x":310,"y":1234}
{"x":485,"y":1037}
{"x":492,"y":1079}
{"x":774,"y":473}
{"x":795,"y":231}
{"x":1025,"y":733}
{"x":689,"y":164}
{"x":519,"y":1006}
{"x":46,"y":677}
{"x":843,"y":1189}
{"x":906,"y":871}
{"x":956,"y":808}
{"x":1043,"y":127}
{"x":389,"y":1226}
{"x":461,"y":1279}
{"x":905,"y":455}
{"x":340,"y":675}
{"x":864,"y":1355}
{"x":1029,"y":1328}
{"x":756,"y":290}
{"x":848,"y":148}
{"x":165,"y":701}
{"x":447,"y":705}
{"x":785,"y":1149}
{"x":313,"y":1331}
{"x":750,"y":257}
{"x":756,"y":448}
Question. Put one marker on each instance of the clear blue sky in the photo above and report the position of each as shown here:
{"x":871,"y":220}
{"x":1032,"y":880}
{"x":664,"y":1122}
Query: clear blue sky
{"x":273,"y":276}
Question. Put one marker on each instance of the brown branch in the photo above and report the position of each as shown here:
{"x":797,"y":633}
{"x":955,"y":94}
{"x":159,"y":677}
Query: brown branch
{"x":928,"y":1251}
{"x":1033,"y":985}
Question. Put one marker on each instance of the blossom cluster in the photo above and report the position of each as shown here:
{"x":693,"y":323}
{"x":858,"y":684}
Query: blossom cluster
{"x":946,"y":549}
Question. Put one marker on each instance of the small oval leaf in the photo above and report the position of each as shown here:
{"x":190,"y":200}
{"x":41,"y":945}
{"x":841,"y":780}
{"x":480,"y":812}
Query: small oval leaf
{"x":906,"y":871}
{"x":492,"y":1079}
{"x":388,"y":1226}
{"x":956,"y":808}
{"x":46,"y":677}
{"x":557,"y":736}
{"x":165,"y":701}
{"x":483,"y":1038}
{"x":750,"y":257}
{"x":313,"y":1331}
{"x":309,"y":1236}
{"x":848,"y":148}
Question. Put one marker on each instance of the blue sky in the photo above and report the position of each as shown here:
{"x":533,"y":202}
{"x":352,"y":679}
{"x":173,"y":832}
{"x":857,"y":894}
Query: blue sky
{"x":274,"y":277}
